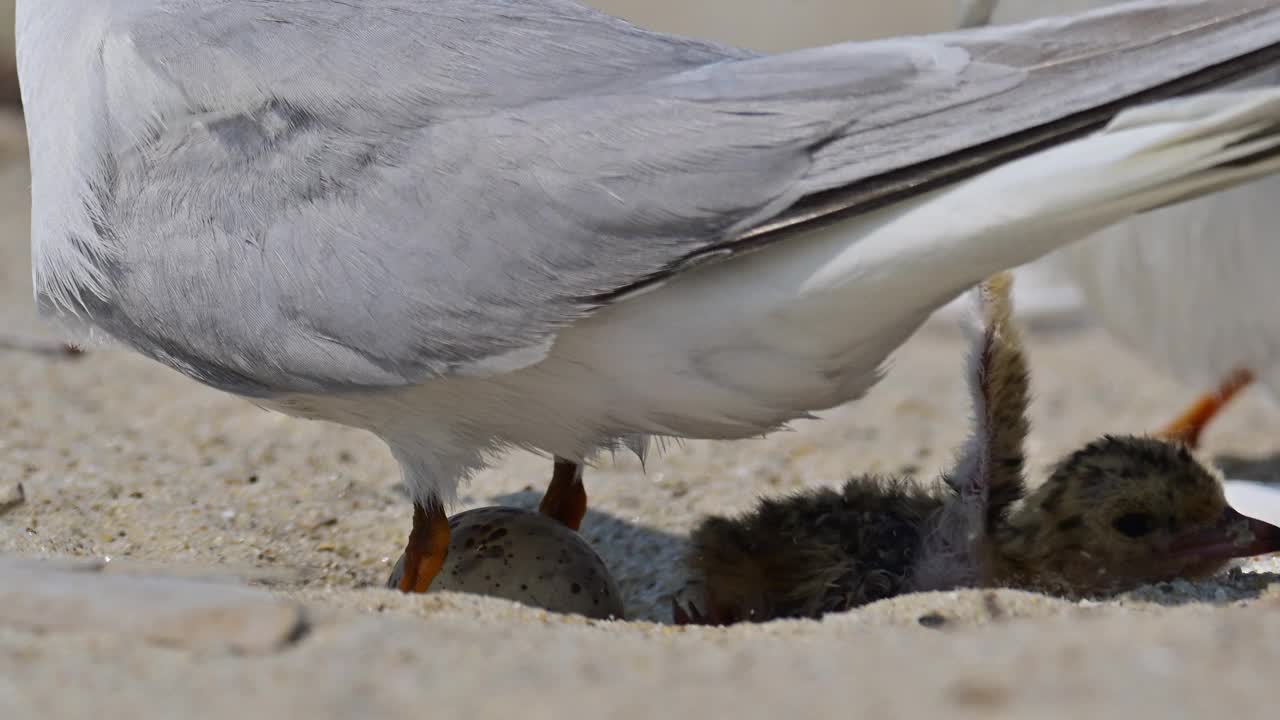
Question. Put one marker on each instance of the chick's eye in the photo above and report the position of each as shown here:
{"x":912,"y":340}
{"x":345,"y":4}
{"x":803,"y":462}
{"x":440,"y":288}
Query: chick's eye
{"x":1134,"y":524}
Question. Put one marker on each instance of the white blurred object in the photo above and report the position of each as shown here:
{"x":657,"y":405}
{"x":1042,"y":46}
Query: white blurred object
{"x":1189,"y":287}
{"x":1260,"y":501}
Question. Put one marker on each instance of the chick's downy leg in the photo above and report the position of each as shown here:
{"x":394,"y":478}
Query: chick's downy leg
{"x":427,"y":548}
{"x":990,"y":474}
{"x":566,"y":497}
{"x":1188,"y":427}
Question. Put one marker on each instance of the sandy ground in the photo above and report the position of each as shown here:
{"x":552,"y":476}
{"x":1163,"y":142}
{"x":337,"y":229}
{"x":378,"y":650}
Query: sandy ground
{"x":123,"y":459}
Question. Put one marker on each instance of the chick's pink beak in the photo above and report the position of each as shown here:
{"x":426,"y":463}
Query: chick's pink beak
{"x":1234,"y":536}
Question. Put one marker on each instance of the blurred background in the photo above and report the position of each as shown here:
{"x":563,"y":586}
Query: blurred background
{"x":8,"y":73}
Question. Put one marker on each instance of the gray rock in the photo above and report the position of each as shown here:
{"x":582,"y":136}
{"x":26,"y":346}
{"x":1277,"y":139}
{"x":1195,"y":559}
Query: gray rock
{"x":178,"y":612}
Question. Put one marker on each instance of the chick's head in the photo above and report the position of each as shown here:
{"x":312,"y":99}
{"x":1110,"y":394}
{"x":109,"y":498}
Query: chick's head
{"x":1126,"y":511}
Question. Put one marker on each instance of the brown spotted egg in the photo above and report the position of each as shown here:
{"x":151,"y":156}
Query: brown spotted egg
{"x":526,"y":557}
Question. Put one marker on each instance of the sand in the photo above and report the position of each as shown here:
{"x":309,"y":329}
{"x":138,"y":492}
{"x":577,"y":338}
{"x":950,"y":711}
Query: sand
{"x":122,"y":459}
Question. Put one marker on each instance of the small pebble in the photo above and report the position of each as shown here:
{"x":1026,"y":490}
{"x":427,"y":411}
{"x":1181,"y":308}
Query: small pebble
{"x":13,"y":499}
{"x":932,"y":620}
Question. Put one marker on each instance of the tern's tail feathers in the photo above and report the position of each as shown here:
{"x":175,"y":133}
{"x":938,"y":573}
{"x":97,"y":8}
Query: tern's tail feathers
{"x":1146,"y":158}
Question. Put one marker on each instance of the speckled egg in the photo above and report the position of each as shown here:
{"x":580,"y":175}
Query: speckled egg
{"x":527,"y":557}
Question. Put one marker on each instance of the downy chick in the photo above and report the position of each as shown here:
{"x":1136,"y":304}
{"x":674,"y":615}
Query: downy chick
{"x":1120,"y":512}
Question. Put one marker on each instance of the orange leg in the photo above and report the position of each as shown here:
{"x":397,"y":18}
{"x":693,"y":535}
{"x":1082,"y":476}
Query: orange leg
{"x":566,"y":498}
{"x":1190,"y":424}
{"x":427,"y":548}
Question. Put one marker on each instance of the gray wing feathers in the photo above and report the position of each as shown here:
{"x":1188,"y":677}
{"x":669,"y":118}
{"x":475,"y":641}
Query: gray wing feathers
{"x":1074,"y":71}
{"x":395,"y":190}
{"x":429,"y":250}
{"x":378,"y":249}
{"x":405,"y":60}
